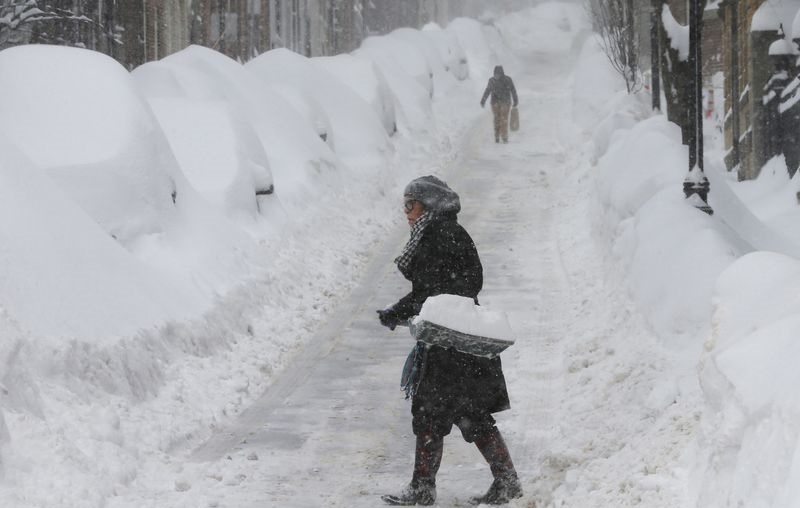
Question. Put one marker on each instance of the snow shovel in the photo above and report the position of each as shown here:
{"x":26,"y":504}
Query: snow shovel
{"x":438,"y":335}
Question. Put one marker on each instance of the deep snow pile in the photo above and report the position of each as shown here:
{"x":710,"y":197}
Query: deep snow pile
{"x":712,"y":291}
{"x":173,"y":237}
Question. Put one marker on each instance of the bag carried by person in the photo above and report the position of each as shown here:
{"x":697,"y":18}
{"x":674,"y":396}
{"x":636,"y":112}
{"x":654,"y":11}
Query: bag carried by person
{"x":514,"y":119}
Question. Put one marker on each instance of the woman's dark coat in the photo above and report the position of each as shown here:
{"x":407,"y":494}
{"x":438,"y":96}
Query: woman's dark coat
{"x":453,"y":384}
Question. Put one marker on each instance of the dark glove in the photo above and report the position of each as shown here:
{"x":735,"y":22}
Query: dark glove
{"x":482,"y":103}
{"x":388,"y":318}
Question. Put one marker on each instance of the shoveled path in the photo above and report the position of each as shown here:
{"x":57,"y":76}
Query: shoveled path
{"x":335,"y":429}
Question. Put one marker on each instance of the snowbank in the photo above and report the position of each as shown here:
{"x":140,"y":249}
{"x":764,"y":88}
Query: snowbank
{"x":748,"y":445}
{"x":672,"y":269}
{"x":704,"y":280}
{"x":598,"y":96}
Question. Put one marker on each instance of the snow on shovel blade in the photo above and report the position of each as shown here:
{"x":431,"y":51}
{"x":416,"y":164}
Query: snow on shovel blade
{"x":438,"y":335}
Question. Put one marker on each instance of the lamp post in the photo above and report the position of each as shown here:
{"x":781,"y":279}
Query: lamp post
{"x":696,"y":185}
{"x":655,"y":52}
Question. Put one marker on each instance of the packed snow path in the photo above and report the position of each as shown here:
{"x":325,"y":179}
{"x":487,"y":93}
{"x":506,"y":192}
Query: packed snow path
{"x":334,"y":429}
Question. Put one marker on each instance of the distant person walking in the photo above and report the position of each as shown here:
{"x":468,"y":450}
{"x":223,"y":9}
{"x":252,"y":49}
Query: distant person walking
{"x":504,"y":97}
{"x":446,"y":387}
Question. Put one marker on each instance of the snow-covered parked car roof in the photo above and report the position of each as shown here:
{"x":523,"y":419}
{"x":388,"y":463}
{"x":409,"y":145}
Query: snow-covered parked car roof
{"x":412,"y":99}
{"x":216,"y":147}
{"x":450,"y":50}
{"x":77,"y":115}
{"x":405,"y":55}
{"x":357,"y":134}
{"x":367,"y":80}
{"x":272,"y":143}
{"x":443,"y":80}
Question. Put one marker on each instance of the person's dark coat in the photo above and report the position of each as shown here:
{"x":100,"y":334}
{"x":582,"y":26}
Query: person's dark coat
{"x":453,"y":384}
{"x":501,"y":88}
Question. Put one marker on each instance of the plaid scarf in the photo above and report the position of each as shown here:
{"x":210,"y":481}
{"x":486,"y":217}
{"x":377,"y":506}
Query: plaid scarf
{"x":404,"y":259}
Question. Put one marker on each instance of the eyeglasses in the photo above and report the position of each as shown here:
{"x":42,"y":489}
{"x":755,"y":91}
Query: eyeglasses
{"x":409,"y":204}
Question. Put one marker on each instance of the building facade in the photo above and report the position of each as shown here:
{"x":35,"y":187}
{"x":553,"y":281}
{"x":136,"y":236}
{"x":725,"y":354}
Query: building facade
{"x":759,"y":58}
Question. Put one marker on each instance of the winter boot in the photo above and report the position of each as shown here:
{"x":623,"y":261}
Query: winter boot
{"x":506,"y":485}
{"x":421,"y":492}
{"x":503,"y":489}
{"x":422,"y":489}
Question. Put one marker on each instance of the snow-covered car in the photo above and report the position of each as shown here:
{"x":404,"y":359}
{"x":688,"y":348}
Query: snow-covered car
{"x":357,"y":134}
{"x":305,"y":104}
{"x":405,"y":55}
{"x":450,"y":50}
{"x":481,"y":58}
{"x":77,"y":115}
{"x":235,"y":139}
{"x":364,"y":78}
{"x":412,"y":99}
{"x":442,"y":79}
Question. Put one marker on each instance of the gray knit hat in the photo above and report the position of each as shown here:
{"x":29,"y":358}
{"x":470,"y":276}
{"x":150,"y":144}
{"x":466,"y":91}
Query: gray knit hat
{"x":434,"y":194}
